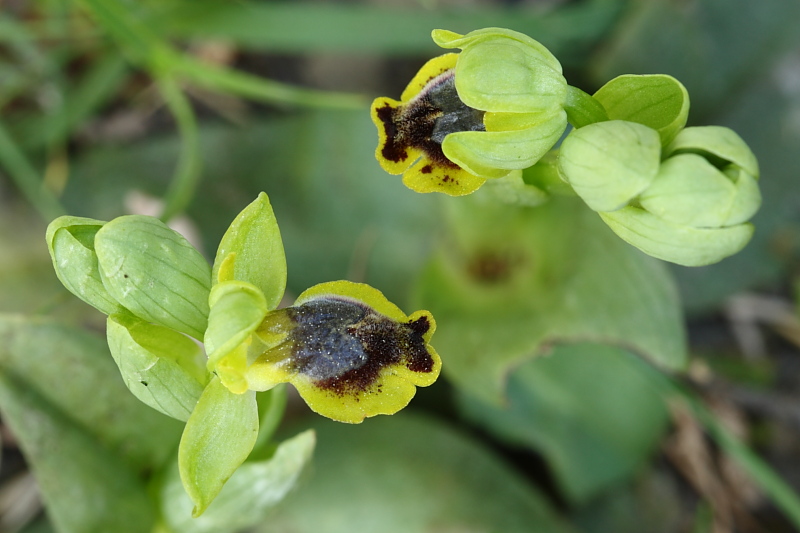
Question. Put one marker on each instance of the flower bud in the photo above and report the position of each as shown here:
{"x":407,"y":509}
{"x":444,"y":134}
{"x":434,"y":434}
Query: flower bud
{"x":494,"y":108}
{"x":689,"y":206}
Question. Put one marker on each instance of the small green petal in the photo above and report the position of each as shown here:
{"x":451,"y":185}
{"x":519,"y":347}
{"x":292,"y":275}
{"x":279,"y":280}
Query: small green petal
{"x":259,"y":258}
{"x":449,"y":39}
{"x":70,"y":241}
{"x":718,"y":141}
{"x":161,"y":367}
{"x":155,"y":273}
{"x":689,"y":190}
{"x":610,"y":163}
{"x":237,"y":309}
{"x":217,"y":439}
{"x":683,"y":245}
{"x":492,"y":154}
{"x":657,"y":101}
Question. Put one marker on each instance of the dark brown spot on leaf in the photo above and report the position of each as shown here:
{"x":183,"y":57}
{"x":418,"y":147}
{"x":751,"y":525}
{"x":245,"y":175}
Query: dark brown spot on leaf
{"x":427,"y":169}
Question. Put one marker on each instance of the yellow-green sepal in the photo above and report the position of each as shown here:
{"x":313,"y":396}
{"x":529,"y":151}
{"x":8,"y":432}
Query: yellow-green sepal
{"x":160,"y":366}
{"x":657,"y":101}
{"x":691,"y":191}
{"x":70,"y":241}
{"x":610,"y":163}
{"x":218,"y":437}
{"x":684,"y":245}
{"x":718,"y":142}
{"x":252,"y":251}
{"x":154,"y":272}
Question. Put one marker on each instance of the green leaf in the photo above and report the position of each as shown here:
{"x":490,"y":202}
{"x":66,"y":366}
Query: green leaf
{"x":609,"y":163}
{"x":73,"y":370}
{"x":85,"y":486}
{"x":237,"y":309}
{"x":410,"y":474}
{"x":515,"y":279}
{"x":255,"y":240}
{"x":575,"y":408}
{"x":161,"y":367}
{"x":308,"y":27}
{"x":249,"y":495}
{"x":155,"y":273}
{"x":657,"y":101}
{"x":217,"y":439}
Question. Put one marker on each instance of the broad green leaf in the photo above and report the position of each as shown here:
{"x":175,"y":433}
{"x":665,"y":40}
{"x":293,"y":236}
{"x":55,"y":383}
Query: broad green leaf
{"x":410,"y":474}
{"x":515,"y":279}
{"x":155,"y":273}
{"x":657,"y":101}
{"x":217,"y":439}
{"x":586,"y":408}
{"x":161,"y":367}
{"x":249,"y":495}
{"x":255,"y":240}
{"x":73,"y":370}
{"x":71,"y":244}
{"x":86,"y":487}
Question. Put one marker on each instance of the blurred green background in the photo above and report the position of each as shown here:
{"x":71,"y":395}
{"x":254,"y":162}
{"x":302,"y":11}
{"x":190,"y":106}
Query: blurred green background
{"x":113,"y":107}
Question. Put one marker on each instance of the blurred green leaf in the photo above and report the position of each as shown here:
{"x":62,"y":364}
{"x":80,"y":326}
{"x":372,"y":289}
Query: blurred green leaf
{"x":81,"y":100}
{"x":510,"y":280}
{"x":311,"y":26}
{"x":161,"y":367}
{"x":71,"y":369}
{"x":712,"y":47}
{"x":652,"y":501}
{"x":247,"y":497}
{"x":410,"y":474}
{"x":85,"y":486}
{"x":217,"y":439}
{"x":574,"y":406}
{"x":83,"y":434}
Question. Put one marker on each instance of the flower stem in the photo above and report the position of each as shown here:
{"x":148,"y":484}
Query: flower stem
{"x":187,"y":172}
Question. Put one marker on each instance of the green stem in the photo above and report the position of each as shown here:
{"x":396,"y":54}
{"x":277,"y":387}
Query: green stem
{"x":256,"y":88}
{"x":27,"y":179}
{"x":187,"y":172}
{"x":582,"y":109}
{"x":157,"y":56}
